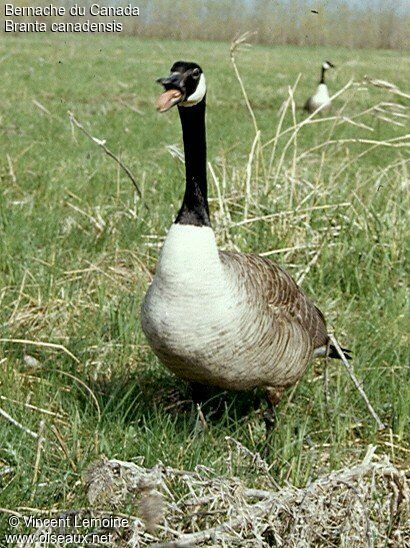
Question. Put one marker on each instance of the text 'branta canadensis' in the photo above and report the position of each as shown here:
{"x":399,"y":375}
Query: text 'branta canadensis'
{"x":321,"y":96}
{"x":231,"y":320}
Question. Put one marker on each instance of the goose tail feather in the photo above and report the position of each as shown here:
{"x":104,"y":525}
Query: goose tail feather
{"x":333,"y":353}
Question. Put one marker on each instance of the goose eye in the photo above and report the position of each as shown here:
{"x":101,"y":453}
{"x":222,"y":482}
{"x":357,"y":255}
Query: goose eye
{"x":195,"y":73}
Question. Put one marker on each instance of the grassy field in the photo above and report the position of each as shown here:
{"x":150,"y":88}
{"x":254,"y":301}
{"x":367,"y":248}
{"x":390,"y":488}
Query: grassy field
{"x":77,"y":247}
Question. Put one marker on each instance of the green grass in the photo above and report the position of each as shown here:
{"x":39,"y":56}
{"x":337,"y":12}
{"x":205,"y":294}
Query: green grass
{"x":76,"y":247}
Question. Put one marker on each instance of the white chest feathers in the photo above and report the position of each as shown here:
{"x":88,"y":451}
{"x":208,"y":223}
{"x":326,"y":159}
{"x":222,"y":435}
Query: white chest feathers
{"x":189,"y":261}
{"x":189,"y":301}
{"x":321,"y":96}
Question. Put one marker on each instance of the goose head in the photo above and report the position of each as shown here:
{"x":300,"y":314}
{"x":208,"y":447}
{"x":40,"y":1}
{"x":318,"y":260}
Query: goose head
{"x":327,"y":65}
{"x":185,"y":86}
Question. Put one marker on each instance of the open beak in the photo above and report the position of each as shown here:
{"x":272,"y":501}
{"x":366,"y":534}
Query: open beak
{"x":168,"y":99}
{"x":173,"y":93}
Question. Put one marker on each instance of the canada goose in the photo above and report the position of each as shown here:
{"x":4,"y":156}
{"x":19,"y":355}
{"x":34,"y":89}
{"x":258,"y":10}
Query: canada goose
{"x":321,"y":96}
{"x":231,"y":320}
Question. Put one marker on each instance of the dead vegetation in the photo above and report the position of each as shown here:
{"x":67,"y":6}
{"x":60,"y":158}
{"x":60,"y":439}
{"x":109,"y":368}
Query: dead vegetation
{"x":362,"y":505}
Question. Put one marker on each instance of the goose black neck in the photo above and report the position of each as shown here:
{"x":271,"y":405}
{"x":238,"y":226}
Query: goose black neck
{"x":194,"y":209}
{"x":322,"y":78}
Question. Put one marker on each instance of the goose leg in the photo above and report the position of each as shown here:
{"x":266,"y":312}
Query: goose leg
{"x":200,"y":392}
{"x":206,"y":397}
{"x":273,"y":397}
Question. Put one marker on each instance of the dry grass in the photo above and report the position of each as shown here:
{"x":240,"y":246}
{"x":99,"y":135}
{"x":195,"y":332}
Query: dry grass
{"x":333,"y":23}
{"x":364,"y":504}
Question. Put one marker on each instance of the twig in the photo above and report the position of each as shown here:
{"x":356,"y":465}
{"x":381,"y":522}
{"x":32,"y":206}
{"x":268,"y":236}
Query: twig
{"x":249,"y":174}
{"x":218,"y":192}
{"x":74,"y":378}
{"x":201,"y":417}
{"x":279,"y":133}
{"x":349,"y":368}
{"x":241,"y":40}
{"x":339,"y":119}
{"x":392,"y":88}
{"x":101,"y":143}
{"x":18,"y":424}
{"x":290,"y":397}
{"x":35,"y":408}
{"x":41,"y":107}
{"x":326,"y":380}
{"x":44,"y":344}
{"x":224,"y":211}
{"x":63,"y":446}
{"x":12,"y":512}
{"x":98,"y":224}
{"x":11,"y":168}
{"x":390,"y":143}
{"x":311,"y":263}
{"x":283,"y":250}
{"x":40,"y":441}
{"x":295,"y":146}
{"x":283,"y":110}
{"x":296,"y":212}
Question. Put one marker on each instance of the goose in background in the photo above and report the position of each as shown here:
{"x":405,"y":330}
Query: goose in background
{"x":235,"y":321}
{"x":321,"y":96}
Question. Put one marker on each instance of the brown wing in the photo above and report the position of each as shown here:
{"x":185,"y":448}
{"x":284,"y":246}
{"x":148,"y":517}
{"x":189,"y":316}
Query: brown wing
{"x":308,"y":105}
{"x":268,"y":281}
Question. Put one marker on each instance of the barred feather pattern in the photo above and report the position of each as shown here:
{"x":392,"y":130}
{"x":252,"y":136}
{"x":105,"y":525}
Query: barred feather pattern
{"x":265,"y":280}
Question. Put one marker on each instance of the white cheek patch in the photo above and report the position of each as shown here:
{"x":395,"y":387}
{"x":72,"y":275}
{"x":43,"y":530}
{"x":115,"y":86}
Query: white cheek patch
{"x":198,"y":94}
{"x":326,"y":66}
